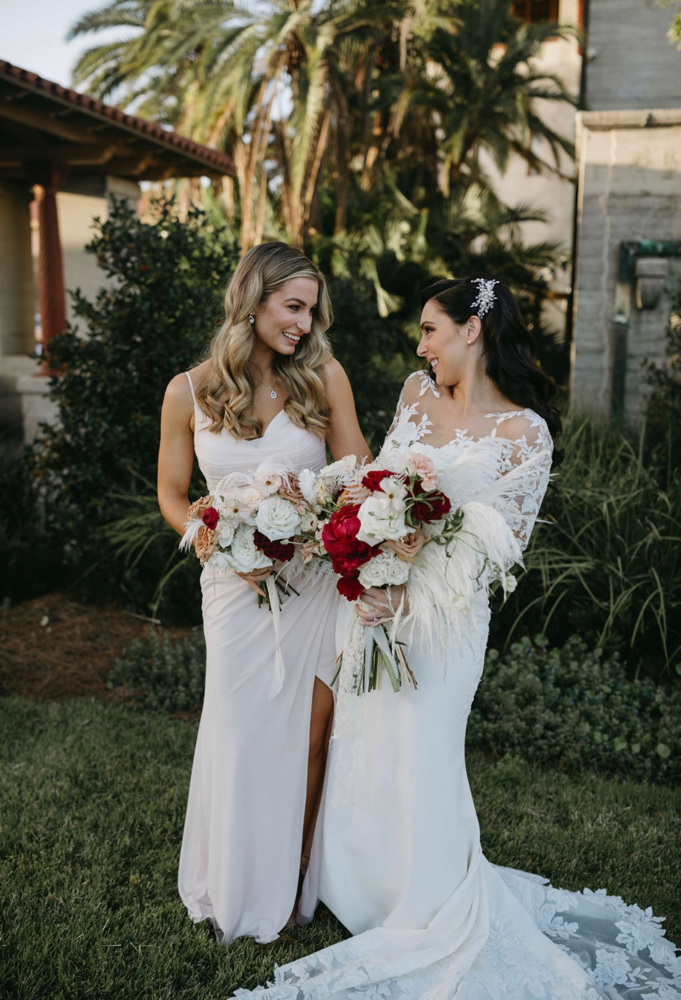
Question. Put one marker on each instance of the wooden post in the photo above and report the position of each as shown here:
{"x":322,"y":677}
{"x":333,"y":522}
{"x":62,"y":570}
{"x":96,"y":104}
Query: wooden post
{"x":50,"y":264}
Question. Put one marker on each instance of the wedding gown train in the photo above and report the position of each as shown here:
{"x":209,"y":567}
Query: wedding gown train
{"x":397,"y":853}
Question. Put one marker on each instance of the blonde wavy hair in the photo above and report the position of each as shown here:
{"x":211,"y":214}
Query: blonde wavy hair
{"x":226,"y":394}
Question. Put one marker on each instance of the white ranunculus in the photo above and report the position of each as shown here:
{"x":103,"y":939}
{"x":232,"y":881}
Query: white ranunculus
{"x":308,"y":522}
{"x":380,"y":519}
{"x":322,"y":494}
{"x":250,"y":495}
{"x":306,"y":481}
{"x":385,"y":569}
{"x":243,"y":556}
{"x":277,"y":518}
{"x":225,"y":529}
{"x":220,"y":562}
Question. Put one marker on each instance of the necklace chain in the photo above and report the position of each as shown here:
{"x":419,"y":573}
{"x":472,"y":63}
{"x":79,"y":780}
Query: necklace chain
{"x":273,"y":391}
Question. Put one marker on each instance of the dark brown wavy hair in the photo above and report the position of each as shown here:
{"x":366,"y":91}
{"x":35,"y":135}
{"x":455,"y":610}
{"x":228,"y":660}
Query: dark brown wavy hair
{"x":508,"y":348}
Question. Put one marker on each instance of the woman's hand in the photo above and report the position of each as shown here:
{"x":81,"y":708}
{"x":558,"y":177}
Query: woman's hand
{"x":256,"y":577}
{"x":378,"y":605}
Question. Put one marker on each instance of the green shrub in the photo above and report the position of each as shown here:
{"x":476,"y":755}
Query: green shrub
{"x":568,"y":707}
{"x":575,"y":709}
{"x":162,"y":673}
{"x":663,"y":408}
{"x":606,"y":561}
{"x":153,"y":321}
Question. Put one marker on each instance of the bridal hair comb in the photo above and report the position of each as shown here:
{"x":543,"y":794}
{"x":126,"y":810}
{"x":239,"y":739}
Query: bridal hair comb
{"x":485,"y":298}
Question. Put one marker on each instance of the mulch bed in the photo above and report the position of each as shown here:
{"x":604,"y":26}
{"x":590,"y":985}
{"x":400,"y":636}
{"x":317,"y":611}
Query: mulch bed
{"x":54,"y":647}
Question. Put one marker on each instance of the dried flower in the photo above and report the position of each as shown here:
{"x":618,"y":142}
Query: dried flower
{"x":197,"y":508}
{"x":206,"y":543}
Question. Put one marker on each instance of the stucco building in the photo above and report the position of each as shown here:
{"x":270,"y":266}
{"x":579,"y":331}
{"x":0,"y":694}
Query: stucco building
{"x":62,"y":154}
{"x":628,"y":231}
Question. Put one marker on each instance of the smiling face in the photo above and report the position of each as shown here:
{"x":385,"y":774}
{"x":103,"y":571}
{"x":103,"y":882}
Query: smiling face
{"x":283,"y":319}
{"x":447,"y":346}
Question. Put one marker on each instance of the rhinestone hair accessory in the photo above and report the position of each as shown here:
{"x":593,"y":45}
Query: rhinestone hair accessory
{"x":485,"y":298}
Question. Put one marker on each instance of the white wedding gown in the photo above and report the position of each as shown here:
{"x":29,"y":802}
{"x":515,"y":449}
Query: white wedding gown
{"x":397,"y":853}
{"x":240,"y":857}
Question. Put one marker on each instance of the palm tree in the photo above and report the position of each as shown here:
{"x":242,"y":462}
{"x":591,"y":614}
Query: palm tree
{"x":481,"y":84}
{"x":223,"y":73}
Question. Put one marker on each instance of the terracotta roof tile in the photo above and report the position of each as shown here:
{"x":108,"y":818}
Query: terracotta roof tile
{"x":214,"y":159}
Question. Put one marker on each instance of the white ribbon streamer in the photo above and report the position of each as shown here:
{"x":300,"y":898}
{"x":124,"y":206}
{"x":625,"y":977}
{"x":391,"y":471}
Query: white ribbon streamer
{"x":279,"y":670}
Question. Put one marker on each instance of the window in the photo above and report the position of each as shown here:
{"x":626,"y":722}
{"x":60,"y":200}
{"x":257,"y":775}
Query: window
{"x":536,"y":11}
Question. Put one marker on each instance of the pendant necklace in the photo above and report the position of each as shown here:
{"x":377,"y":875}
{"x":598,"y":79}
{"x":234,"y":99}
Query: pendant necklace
{"x":273,"y":391}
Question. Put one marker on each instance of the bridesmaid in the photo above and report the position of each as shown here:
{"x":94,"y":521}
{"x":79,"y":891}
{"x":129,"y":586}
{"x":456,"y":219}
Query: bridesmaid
{"x":270,"y":389}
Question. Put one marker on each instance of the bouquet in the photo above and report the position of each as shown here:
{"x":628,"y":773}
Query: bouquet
{"x":381,"y":525}
{"x":371,"y":523}
{"x":250,"y":523}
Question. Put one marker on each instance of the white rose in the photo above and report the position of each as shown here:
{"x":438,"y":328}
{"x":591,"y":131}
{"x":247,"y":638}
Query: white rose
{"x":380,"y":519}
{"x":277,"y":518}
{"x":243,"y":556}
{"x":385,"y":569}
{"x":306,"y":480}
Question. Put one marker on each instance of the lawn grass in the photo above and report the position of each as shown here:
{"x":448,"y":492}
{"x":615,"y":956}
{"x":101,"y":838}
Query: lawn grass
{"x":92,"y":801}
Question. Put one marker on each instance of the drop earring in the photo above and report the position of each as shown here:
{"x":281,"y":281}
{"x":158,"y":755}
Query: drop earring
{"x":251,"y":319}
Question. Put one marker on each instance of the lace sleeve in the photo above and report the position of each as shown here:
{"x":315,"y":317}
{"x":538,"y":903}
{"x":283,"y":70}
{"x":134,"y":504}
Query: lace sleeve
{"x":411,"y":422}
{"x":526,"y":450}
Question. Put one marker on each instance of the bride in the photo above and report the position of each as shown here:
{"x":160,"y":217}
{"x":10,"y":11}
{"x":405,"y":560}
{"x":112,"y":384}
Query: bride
{"x":397,"y":853}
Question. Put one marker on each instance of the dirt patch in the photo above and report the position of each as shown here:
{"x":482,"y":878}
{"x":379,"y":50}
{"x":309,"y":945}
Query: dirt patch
{"x":53,"y":647}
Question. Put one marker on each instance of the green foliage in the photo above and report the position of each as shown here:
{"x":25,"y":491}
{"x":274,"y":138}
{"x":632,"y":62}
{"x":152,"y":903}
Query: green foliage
{"x":375,"y":353}
{"x":606,"y":561}
{"x":573,"y":708}
{"x":153,"y":321}
{"x":162,"y":673}
{"x":93,"y":802}
{"x":674,"y":33}
{"x":663,"y":409}
{"x":568,"y":707}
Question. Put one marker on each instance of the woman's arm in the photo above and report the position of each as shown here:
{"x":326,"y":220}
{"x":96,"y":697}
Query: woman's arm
{"x":344,"y":436}
{"x":176,"y":453}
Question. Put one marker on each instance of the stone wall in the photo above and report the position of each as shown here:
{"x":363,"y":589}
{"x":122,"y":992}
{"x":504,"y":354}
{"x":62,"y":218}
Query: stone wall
{"x":630,"y":187}
{"x":630,"y":61}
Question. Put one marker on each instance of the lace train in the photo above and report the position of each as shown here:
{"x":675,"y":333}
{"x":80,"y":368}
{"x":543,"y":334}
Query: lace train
{"x":557,"y":944}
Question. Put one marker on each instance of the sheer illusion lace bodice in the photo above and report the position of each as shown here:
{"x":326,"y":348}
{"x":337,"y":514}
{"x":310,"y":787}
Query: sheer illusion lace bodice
{"x":515,"y":455}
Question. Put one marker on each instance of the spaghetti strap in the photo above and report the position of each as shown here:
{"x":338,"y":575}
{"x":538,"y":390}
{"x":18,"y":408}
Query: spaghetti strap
{"x":191,"y":386}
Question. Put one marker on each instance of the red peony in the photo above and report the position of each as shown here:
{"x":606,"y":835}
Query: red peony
{"x":339,"y":537}
{"x":432,"y":505}
{"x":283,"y":551}
{"x":350,"y":587}
{"x":373,"y":479}
{"x":210,"y":518}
